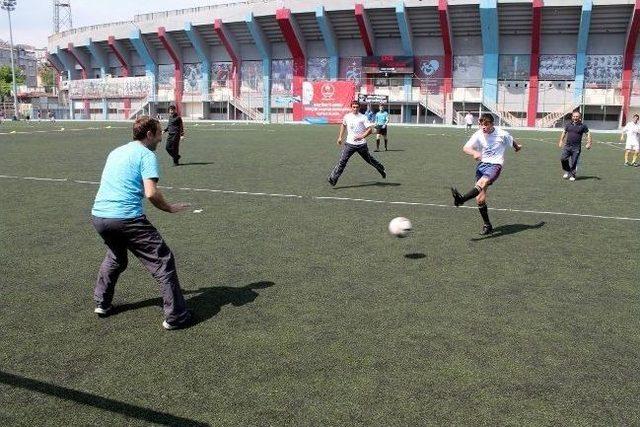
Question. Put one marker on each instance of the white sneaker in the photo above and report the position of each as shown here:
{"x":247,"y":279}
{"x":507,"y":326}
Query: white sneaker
{"x":566,"y":175}
{"x":102,"y":311}
{"x":573,"y":178}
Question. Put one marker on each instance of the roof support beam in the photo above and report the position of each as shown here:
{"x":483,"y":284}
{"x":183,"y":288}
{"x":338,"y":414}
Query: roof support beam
{"x":445,"y":29}
{"x":176,"y":57}
{"x":121,"y":55}
{"x":201,"y":48}
{"x":102,"y":60}
{"x":147,"y":55}
{"x":627,"y":61}
{"x":581,"y":52}
{"x":124,"y":59}
{"x":366,"y":33}
{"x":264,"y":47}
{"x":229,"y":42}
{"x":490,"y":44}
{"x":536,"y":24}
{"x":405,"y":29}
{"x":330,"y":44}
{"x":69,"y":65}
{"x":295,"y":41}
{"x":85,"y":64}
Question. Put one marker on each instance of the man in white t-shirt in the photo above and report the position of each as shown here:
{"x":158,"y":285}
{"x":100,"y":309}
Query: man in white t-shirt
{"x":632,"y":131}
{"x":358,"y":128}
{"x":468,"y":120}
{"x":487,"y":146}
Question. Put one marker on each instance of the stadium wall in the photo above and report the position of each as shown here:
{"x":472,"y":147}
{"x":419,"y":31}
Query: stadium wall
{"x":420,"y":98}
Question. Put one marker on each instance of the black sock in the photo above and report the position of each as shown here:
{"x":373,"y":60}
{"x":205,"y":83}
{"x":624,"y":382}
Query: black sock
{"x":385,"y":144}
{"x":565,"y":165}
{"x":484,"y":212}
{"x":471,"y":194}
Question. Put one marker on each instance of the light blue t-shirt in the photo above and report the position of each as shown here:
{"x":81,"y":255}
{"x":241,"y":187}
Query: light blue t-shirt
{"x":121,"y":188}
{"x":382,"y":117}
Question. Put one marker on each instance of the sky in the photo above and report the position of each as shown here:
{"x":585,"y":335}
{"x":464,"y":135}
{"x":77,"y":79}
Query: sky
{"x":32,"y":20}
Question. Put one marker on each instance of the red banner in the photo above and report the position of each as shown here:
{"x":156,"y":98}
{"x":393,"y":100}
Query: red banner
{"x":324,"y":101}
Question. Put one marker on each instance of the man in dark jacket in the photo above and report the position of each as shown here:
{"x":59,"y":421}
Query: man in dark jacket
{"x":175,"y":128}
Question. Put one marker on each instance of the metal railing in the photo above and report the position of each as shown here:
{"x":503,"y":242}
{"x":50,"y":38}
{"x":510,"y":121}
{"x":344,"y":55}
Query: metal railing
{"x":423,"y":101}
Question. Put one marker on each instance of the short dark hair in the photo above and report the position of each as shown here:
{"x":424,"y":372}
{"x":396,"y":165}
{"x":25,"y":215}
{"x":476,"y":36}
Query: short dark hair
{"x":172,"y":107}
{"x":635,"y":115}
{"x":486,"y":117}
{"x":142,"y":125}
{"x":354,"y":102}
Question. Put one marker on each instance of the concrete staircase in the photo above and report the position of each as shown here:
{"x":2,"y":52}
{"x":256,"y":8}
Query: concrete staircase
{"x":552,"y":118}
{"x":249,"y":111}
{"x":504,"y":117}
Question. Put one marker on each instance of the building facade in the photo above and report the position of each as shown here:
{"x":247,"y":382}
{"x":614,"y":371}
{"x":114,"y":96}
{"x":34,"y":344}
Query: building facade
{"x":529,"y":62}
{"x":25,"y":59}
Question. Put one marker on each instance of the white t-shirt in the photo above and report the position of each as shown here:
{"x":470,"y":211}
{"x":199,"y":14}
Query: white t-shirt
{"x":632,"y":130}
{"x":356,"y":124}
{"x":492,"y":146}
{"x":468,"y":119}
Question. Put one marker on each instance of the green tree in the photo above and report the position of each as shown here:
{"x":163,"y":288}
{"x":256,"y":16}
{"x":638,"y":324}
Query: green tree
{"x":6,"y":80}
{"x":47,"y":75}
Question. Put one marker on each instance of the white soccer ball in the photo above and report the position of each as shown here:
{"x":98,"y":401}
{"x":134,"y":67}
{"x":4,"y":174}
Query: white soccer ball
{"x":400,"y":227}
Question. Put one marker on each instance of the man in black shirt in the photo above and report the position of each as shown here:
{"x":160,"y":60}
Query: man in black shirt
{"x":175,"y":128}
{"x":571,"y":149}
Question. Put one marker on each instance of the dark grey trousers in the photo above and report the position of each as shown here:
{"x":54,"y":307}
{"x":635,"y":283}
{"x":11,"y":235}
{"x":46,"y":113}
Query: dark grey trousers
{"x":173,"y":147}
{"x":569,"y":158}
{"x":140,"y":237}
{"x":349,"y":150}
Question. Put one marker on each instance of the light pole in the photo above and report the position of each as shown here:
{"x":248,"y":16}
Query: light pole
{"x":9,"y":6}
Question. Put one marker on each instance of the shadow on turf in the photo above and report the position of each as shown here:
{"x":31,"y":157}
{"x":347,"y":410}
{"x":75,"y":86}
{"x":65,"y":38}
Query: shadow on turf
{"x":505,"y":230}
{"x":580,"y":178}
{"x":370,"y":184}
{"x":205,"y":302}
{"x":195,"y":163}
{"x":415,"y":255}
{"x":104,"y":403}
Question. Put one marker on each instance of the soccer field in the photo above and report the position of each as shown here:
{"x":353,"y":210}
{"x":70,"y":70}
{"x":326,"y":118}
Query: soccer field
{"x":309,"y":312}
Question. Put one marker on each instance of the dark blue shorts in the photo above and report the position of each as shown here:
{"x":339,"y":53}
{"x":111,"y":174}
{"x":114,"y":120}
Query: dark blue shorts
{"x":490,"y":170}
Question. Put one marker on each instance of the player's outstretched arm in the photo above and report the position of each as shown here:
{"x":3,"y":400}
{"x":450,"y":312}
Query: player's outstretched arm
{"x":561,"y":141}
{"x":477,"y":155}
{"x":366,"y":133}
{"x":153,"y":194}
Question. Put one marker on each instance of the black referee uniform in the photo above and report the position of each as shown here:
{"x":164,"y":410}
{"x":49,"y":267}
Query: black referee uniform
{"x":175,"y":128}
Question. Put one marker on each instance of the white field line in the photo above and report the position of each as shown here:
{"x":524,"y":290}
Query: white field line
{"x":345,"y":199}
{"x":606,"y":143}
{"x":59,"y":129}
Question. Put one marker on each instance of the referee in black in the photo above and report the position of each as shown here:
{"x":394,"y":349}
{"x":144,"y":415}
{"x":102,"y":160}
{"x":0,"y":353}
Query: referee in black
{"x":175,"y":128}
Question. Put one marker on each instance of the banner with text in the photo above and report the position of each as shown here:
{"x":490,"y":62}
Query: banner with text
{"x":324,"y":101}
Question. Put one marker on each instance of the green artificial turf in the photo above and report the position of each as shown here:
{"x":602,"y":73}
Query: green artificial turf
{"x":309,"y":312}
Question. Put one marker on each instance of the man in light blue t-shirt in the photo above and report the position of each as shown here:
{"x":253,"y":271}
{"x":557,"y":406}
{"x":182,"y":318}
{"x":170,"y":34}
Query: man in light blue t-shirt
{"x":382,"y":119}
{"x":130,"y":174}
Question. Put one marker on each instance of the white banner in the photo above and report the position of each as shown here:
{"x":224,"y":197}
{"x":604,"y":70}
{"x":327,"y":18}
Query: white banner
{"x":120,"y":87}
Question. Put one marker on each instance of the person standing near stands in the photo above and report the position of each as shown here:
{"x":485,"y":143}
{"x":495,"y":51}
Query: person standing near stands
{"x":468,"y":120}
{"x":571,"y":149}
{"x":382,"y":120}
{"x":175,"y":128}
{"x":632,"y":131}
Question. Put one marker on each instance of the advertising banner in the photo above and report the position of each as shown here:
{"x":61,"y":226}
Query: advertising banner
{"x":119,"y":87}
{"x":324,"y":101}
{"x":387,"y":64}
